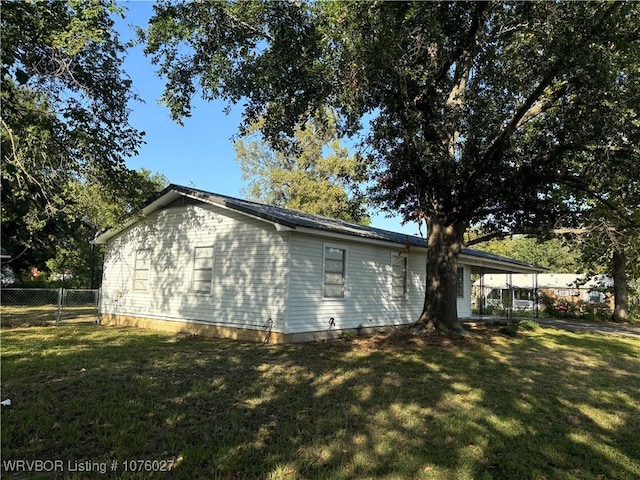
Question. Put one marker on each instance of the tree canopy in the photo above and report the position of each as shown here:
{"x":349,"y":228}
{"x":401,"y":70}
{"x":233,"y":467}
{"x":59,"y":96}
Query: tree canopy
{"x":480,"y":113}
{"x":91,"y":207}
{"x":65,"y":116}
{"x":319,"y":177}
{"x":556,"y":255}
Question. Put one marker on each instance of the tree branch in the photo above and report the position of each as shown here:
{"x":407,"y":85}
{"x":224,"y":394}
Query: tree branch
{"x":463,"y":47}
{"x":249,"y":27}
{"x":544,"y":104}
{"x":578,"y":184}
{"x":489,"y":236}
{"x":524,"y":110}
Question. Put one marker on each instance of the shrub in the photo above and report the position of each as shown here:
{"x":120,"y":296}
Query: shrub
{"x":527,"y":325}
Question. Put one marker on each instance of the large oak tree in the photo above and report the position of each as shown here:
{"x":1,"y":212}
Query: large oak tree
{"x":476,"y":111}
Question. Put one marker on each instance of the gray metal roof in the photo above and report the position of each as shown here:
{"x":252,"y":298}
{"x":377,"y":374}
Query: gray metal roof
{"x":293,"y":219}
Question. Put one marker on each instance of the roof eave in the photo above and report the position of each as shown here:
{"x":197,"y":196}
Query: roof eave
{"x":495,"y":265}
{"x":353,"y":237}
{"x":173,"y":192}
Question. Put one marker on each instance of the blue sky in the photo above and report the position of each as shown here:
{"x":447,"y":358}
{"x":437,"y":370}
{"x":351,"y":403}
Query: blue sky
{"x":200,"y":153}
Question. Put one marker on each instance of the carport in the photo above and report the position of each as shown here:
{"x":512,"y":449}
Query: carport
{"x":482,"y":263}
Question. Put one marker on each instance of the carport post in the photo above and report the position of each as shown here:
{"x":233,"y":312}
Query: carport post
{"x":510,"y":286}
{"x":481,"y":291}
{"x":536,"y":296}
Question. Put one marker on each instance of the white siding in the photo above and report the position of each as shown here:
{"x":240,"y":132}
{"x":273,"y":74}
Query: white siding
{"x":250,"y":263}
{"x":464,"y":303}
{"x":367,"y":300}
{"x":255,"y":268}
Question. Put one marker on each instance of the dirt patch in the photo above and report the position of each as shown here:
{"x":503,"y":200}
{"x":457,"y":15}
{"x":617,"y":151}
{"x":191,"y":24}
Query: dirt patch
{"x":412,"y":337}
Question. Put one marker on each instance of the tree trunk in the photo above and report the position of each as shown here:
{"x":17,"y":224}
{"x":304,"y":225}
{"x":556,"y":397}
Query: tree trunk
{"x":444,"y":244}
{"x":621,"y":300}
{"x":95,"y":266}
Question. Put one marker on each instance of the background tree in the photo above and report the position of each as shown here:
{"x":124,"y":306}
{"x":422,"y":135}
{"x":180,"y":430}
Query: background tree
{"x":478,"y":110}
{"x":619,"y":250}
{"x":319,"y":177}
{"x":64,"y":118}
{"x":603,"y":181}
{"x":94,"y":207}
{"x":607,"y":227}
{"x":556,"y":255}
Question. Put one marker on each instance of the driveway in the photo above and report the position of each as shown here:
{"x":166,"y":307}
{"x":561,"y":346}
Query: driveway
{"x":625,"y":329}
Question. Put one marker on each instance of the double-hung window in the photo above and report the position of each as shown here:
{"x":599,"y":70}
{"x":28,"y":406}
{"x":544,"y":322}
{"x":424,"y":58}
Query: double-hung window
{"x":202,"y":279}
{"x":334,"y":272}
{"x":460,"y":282}
{"x":141,"y":270}
{"x":398,"y":276}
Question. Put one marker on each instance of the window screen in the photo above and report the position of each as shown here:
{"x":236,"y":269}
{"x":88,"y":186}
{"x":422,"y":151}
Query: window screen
{"x":141,"y":270}
{"x":334,"y":262}
{"x":399,"y":276}
{"x":202,"y":270}
{"x":460,"y":282}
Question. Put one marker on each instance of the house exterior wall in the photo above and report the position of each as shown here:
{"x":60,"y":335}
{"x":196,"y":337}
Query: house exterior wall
{"x":250,"y":270}
{"x":464,"y":302}
{"x":263,"y":281}
{"x":367,"y":300}
{"x":578,"y":296}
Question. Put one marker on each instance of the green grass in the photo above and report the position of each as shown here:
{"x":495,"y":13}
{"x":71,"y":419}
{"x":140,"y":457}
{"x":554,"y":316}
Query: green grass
{"x":543,"y":405}
{"x":42,"y":315}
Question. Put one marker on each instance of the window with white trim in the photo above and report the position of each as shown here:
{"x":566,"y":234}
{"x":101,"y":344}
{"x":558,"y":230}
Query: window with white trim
{"x":334,"y":271}
{"x":563,"y":293}
{"x":398,"y":276}
{"x":460,"y":282}
{"x":141,"y":270}
{"x":202,"y":278}
{"x":595,"y":296}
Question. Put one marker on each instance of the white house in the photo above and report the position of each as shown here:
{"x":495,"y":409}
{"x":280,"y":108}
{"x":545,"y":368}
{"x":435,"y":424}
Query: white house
{"x":207,"y":263}
{"x":522,"y":290}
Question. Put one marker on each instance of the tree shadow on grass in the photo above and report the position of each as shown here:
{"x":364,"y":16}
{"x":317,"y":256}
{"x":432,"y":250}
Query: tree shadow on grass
{"x":387,"y":407}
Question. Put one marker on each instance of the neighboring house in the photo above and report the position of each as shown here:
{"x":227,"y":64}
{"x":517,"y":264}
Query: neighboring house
{"x":206,"y":263}
{"x":499,"y":289}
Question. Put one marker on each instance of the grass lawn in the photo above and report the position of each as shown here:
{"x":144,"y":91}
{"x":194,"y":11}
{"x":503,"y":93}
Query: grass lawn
{"x":546,"y":405}
{"x":24,"y":316}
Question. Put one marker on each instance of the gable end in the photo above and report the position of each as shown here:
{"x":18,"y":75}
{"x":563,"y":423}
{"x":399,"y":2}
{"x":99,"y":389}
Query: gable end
{"x":182,"y":201}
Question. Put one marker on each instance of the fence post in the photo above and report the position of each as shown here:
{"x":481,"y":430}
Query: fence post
{"x":98,"y":304}
{"x":59,"y":312}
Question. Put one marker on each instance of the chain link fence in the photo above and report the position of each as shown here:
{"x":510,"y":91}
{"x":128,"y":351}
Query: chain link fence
{"x":48,"y":306}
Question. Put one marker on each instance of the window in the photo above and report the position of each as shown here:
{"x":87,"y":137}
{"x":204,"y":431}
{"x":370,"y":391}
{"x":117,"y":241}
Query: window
{"x":141,"y":270}
{"x":202,"y":270}
{"x":522,"y":294}
{"x":398,"y":276}
{"x":334,"y":262}
{"x":460,"y":282}
{"x":595,"y":297}
{"x":563,"y":293}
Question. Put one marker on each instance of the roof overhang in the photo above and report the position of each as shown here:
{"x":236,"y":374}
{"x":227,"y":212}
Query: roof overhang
{"x":480,"y":262}
{"x":172,"y":193}
{"x":359,"y":239}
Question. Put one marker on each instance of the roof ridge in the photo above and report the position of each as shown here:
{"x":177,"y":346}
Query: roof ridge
{"x":283,"y":209}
